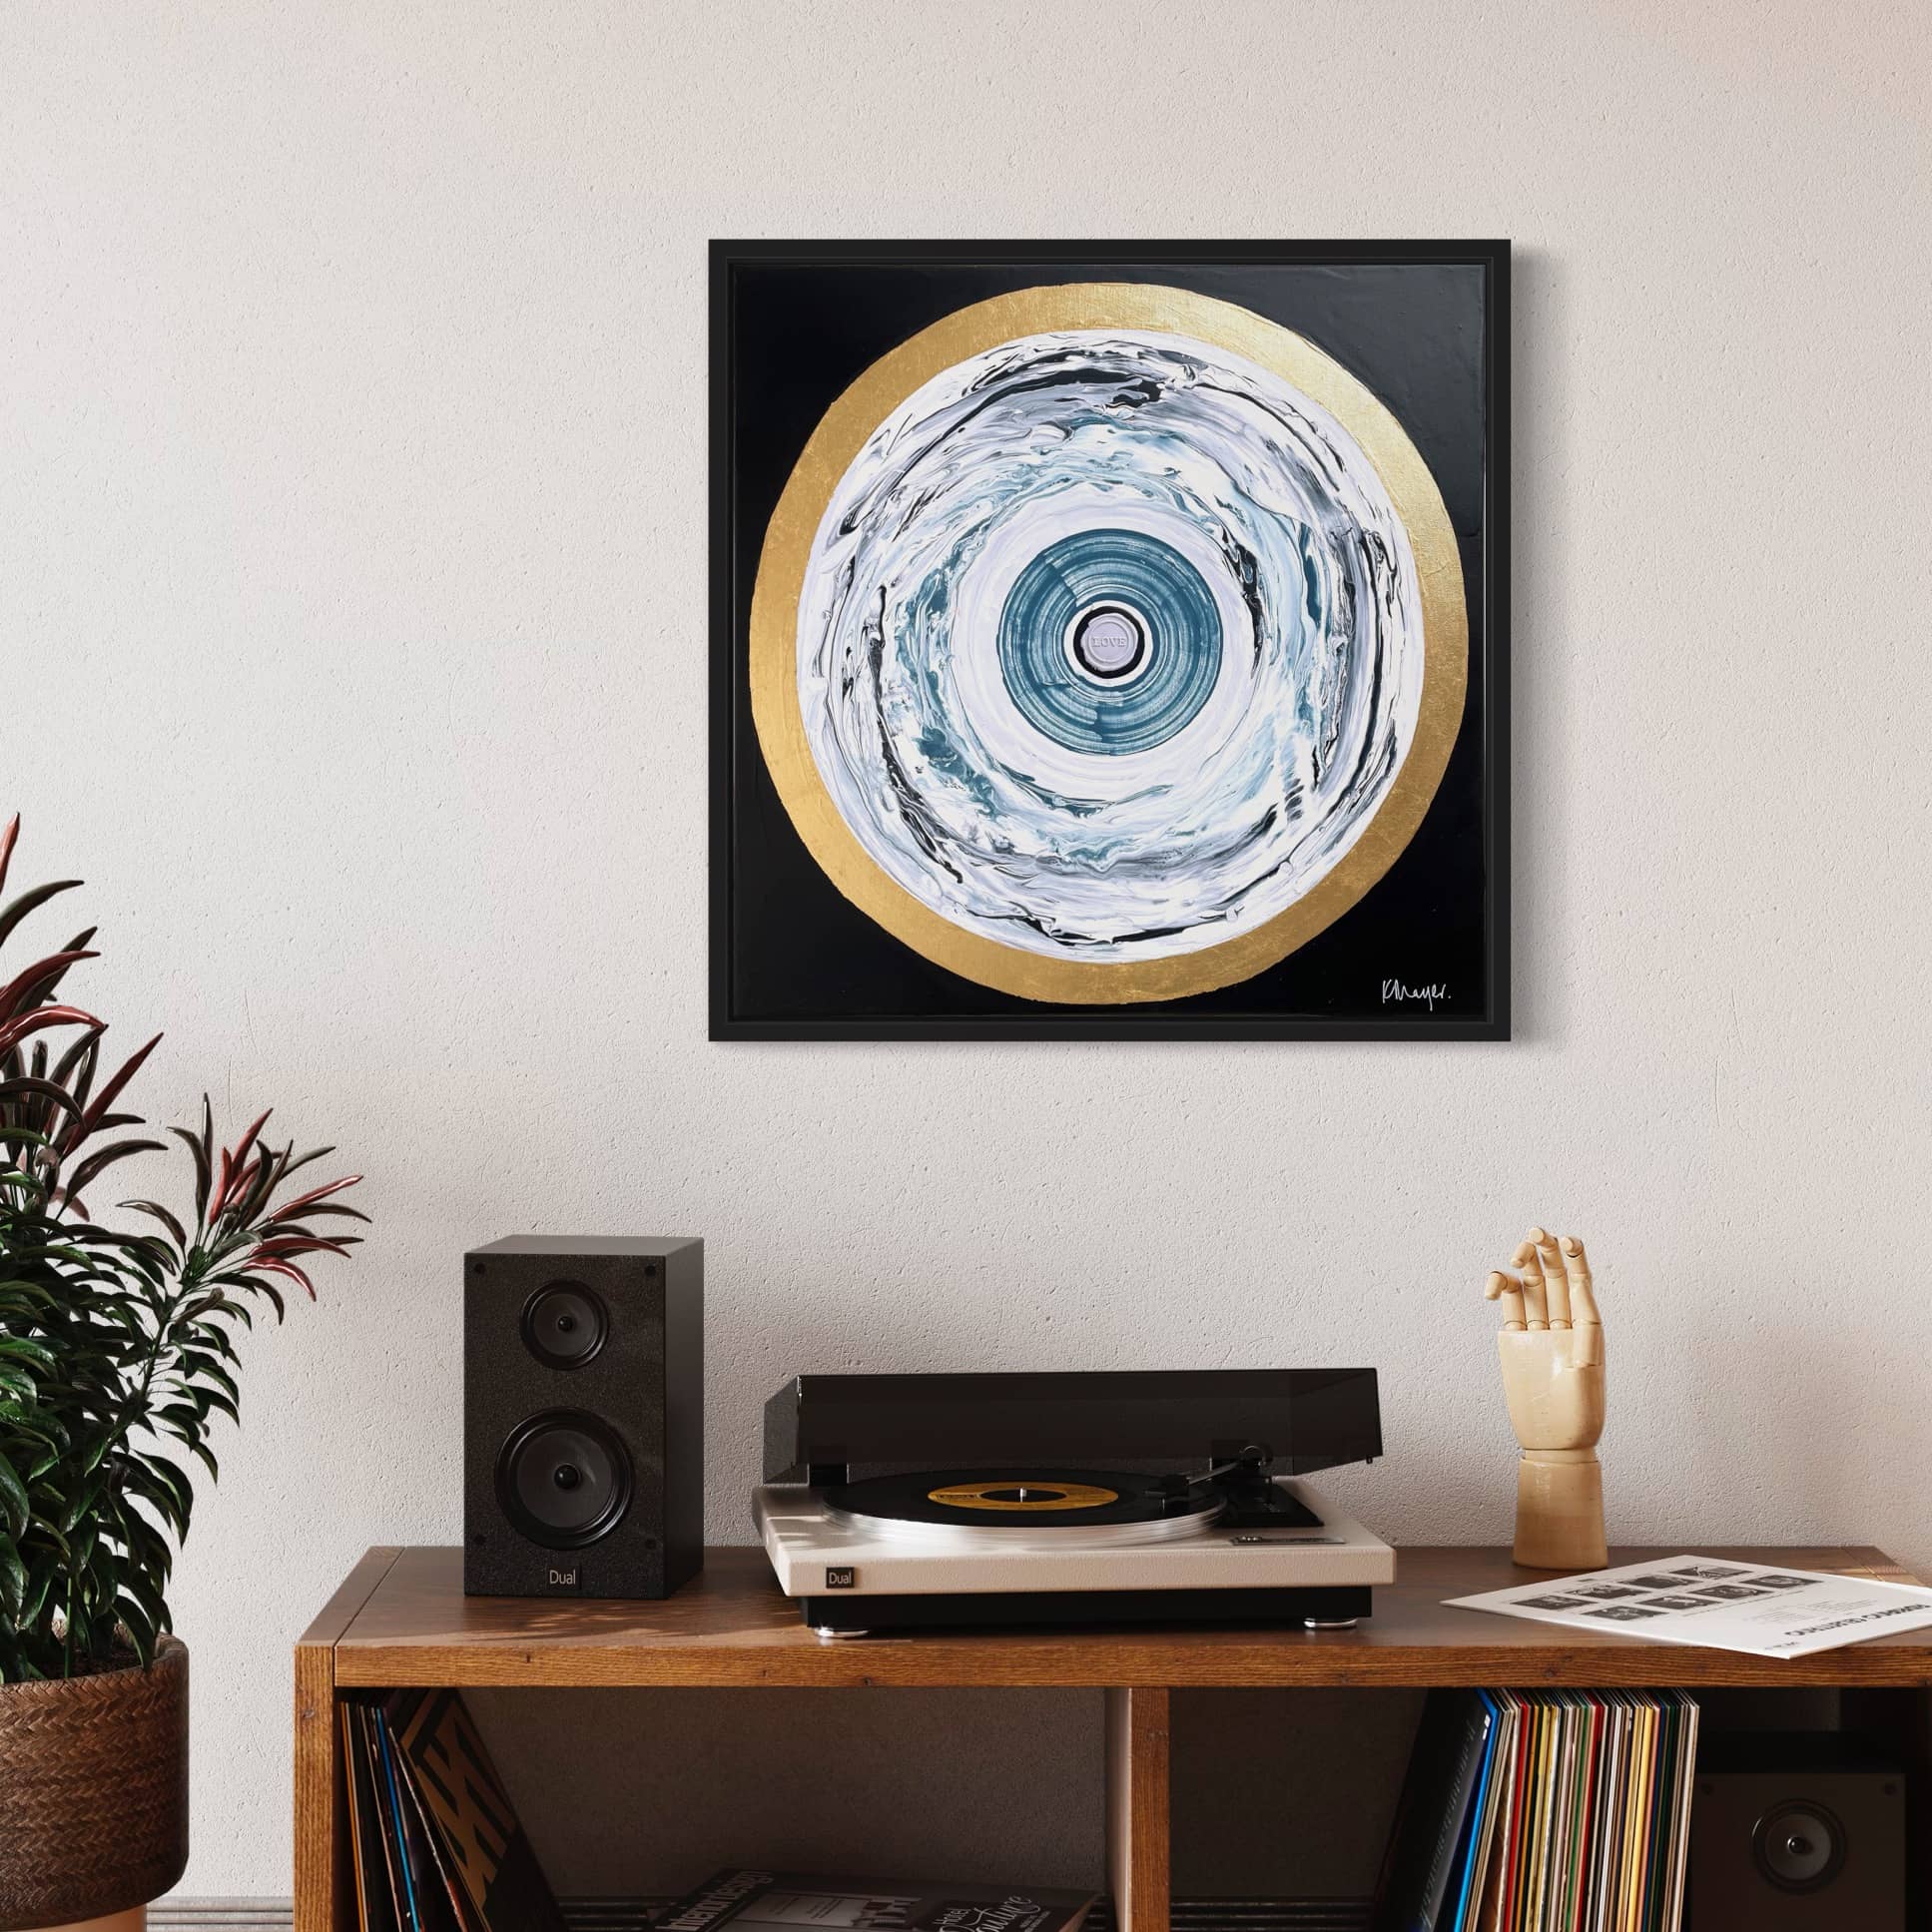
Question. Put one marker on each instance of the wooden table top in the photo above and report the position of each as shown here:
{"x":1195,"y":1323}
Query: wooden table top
{"x":401,"y":1619}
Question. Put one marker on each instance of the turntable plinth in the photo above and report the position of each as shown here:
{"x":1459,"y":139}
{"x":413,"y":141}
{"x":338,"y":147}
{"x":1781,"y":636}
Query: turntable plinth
{"x":400,"y":1620}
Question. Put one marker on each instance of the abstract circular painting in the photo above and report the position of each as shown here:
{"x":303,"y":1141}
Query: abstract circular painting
{"x":1108,"y":642}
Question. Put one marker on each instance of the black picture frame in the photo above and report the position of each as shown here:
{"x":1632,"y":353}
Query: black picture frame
{"x":750,"y":865}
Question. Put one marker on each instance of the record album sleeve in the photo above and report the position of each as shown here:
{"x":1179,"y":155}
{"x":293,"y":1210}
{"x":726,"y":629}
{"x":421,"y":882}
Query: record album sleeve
{"x":374,"y":1897}
{"x":464,"y":1798}
{"x":388,"y":1823}
{"x":431,"y":1892}
{"x":1446,"y":1764}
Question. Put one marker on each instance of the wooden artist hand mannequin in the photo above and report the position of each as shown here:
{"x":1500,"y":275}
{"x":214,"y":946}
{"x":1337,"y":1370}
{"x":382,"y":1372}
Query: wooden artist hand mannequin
{"x":1553,"y":1377}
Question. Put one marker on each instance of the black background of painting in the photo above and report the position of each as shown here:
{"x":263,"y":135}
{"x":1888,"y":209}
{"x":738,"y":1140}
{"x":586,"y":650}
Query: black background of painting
{"x":792,"y":957}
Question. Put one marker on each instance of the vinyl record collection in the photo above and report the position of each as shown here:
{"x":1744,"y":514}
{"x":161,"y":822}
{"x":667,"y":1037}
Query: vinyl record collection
{"x":1552,"y":1811}
{"x":434,"y":1840}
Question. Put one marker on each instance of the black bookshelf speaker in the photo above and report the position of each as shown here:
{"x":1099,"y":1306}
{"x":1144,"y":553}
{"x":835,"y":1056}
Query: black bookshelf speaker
{"x":583,"y":1416}
{"x":1796,"y":1832}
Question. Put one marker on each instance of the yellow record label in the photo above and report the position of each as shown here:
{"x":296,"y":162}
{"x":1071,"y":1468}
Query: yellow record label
{"x":1021,"y":1494}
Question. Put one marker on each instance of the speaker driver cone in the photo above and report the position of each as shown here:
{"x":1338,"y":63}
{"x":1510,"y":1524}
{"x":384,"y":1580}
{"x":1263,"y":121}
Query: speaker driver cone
{"x":564,"y":1324}
{"x":1799,"y":1846}
{"x":563,"y":1478}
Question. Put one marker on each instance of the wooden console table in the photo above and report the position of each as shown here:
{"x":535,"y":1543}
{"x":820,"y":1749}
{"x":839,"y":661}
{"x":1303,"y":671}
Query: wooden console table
{"x":400,"y":1620}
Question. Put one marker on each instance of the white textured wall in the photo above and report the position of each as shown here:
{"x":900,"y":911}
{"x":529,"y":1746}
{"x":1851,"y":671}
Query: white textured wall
{"x":353,"y":645}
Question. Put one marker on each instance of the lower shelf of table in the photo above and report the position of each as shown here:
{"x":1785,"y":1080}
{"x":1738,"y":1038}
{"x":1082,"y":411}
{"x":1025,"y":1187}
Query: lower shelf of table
{"x":1192,"y":1787}
{"x":1186,"y":1915}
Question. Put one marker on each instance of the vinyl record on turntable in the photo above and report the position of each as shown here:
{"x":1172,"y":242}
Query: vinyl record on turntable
{"x":1004,"y":1498}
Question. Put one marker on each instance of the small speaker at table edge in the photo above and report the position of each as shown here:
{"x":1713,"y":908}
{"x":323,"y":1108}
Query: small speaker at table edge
{"x":583,"y":1416}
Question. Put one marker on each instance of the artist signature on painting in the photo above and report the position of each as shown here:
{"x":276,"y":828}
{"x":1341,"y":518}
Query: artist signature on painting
{"x":1397,"y":993}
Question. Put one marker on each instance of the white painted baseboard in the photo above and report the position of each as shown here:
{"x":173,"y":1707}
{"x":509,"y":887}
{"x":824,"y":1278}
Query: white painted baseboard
{"x":219,"y":1914}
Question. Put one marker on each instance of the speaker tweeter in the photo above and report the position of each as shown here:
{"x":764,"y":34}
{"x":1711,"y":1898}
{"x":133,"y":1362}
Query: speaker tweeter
{"x":564,"y":1324}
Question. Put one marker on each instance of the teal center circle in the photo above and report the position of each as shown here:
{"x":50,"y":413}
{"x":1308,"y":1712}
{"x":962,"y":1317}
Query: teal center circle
{"x":1072,"y":577}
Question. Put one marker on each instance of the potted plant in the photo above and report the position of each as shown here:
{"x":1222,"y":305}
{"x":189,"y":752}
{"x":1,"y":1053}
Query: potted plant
{"x":117,"y":1358}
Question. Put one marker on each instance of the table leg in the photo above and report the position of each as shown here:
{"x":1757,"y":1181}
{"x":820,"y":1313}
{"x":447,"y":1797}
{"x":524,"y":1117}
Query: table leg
{"x":321,"y":1834}
{"x":1137,"y":1864}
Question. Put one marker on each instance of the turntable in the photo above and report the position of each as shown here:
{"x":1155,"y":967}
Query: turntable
{"x":905,"y":1501}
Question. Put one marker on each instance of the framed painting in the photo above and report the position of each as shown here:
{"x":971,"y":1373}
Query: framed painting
{"x":1110,"y":640}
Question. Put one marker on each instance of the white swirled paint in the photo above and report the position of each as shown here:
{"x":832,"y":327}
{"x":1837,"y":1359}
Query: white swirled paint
{"x":1173,"y":460}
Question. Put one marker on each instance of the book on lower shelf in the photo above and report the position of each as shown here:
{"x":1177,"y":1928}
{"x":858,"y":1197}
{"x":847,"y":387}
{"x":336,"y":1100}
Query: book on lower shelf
{"x":747,"y":1897}
{"x":1543,"y":1812}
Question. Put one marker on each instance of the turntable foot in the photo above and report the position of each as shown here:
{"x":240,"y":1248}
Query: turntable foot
{"x":1328,"y":1622}
{"x":827,"y":1634}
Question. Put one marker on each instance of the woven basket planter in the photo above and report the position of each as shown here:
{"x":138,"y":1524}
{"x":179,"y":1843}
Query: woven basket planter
{"x":92,"y":1792}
